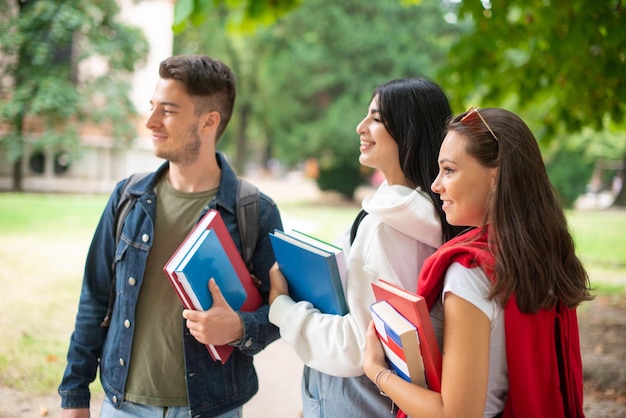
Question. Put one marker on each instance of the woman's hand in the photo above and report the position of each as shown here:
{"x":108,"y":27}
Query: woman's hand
{"x":374,"y":360}
{"x":278,"y":283}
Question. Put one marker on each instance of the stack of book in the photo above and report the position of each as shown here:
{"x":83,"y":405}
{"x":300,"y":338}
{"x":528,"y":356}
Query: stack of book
{"x":208,"y":252}
{"x":411,"y":349}
{"x":315,"y":270}
{"x":400,"y":341}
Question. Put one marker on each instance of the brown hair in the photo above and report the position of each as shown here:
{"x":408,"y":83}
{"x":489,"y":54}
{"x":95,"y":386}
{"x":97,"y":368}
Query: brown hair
{"x":210,"y":83}
{"x":535,"y":254}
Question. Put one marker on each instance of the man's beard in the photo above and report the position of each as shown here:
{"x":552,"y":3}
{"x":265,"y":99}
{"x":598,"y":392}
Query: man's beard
{"x":188,"y":152}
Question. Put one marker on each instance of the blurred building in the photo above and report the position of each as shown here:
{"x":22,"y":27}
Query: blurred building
{"x":101,"y":164}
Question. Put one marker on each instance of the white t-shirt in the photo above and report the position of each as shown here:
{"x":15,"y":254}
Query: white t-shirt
{"x":473,"y":285}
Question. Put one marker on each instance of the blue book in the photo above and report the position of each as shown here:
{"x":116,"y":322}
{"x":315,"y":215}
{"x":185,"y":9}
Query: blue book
{"x":207,"y":259}
{"x":209,"y":251}
{"x":315,"y":270}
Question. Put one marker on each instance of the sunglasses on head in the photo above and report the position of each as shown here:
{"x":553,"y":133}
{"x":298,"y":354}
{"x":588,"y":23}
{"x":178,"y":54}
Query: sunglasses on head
{"x":471,"y":114}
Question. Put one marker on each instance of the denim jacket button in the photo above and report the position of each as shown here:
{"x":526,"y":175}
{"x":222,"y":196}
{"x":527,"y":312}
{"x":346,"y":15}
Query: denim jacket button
{"x":145,"y":237}
{"x":149,"y":201}
{"x":114,"y":399}
{"x":249,"y":342}
{"x":121,"y":361}
{"x":132,"y":281}
{"x":126,"y":323}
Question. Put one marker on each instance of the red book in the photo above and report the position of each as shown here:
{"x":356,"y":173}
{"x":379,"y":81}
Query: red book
{"x":208,"y":252}
{"x":413,"y":307}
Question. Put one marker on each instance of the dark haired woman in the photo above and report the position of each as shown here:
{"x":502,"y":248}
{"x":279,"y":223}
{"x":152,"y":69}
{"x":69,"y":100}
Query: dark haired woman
{"x":400,"y":136}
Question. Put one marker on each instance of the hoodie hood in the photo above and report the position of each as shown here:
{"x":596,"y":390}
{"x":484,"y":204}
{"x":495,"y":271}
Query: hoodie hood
{"x":410,"y":211}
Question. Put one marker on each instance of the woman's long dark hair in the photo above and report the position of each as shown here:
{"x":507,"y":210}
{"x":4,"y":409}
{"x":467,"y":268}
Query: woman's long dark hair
{"x":415,"y":112}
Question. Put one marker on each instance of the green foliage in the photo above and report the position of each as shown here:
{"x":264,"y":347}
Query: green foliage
{"x":45,"y":96}
{"x":562,"y":60}
{"x":559,"y":64}
{"x":570,"y":160}
{"x":240,"y":53}
{"x":321,"y":64}
{"x":244,"y":15}
{"x":569,"y":172}
{"x":341,"y":178}
{"x":308,"y":79}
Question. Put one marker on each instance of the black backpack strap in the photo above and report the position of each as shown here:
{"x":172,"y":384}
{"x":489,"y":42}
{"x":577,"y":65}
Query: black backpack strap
{"x":248,"y":219}
{"x":355,"y":225}
{"x":126,"y":203}
{"x":124,"y":206}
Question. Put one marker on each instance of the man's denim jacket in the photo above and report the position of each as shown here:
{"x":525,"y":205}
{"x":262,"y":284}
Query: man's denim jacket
{"x":212,"y":388}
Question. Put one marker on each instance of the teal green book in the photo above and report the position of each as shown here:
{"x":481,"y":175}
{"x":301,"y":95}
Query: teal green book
{"x":315,"y":270}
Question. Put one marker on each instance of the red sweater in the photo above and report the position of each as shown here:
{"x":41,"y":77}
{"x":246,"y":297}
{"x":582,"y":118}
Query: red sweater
{"x":542,"y":349}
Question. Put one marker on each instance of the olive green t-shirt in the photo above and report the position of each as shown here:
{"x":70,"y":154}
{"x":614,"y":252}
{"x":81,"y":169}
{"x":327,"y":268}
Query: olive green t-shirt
{"x":156,"y":374}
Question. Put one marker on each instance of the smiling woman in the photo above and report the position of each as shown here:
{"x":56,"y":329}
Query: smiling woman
{"x":397,"y":228}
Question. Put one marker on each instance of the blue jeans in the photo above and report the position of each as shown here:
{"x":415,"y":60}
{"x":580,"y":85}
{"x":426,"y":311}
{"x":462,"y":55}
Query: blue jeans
{"x":326,"y":396}
{"x":137,"y":410}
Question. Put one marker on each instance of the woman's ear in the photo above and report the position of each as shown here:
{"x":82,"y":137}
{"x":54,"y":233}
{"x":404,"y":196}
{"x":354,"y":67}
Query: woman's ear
{"x":494,"y":177}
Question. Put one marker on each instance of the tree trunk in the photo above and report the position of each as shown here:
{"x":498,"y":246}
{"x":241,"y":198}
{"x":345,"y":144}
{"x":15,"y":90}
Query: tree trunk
{"x":268,"y":149}
{"x":239,"y":160}
{"x":18,"y":124}
{"x":620,"y":199}
{"x":17,"y":176}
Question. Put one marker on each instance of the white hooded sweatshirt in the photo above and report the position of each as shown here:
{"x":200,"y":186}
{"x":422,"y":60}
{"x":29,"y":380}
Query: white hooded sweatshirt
{"x":401,"y":230}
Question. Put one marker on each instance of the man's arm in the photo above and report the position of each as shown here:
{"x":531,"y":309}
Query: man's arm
{"x":88,"y":336}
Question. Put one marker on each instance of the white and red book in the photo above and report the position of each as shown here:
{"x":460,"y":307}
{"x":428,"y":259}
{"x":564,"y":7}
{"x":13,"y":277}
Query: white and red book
{"x":400,"y":341}
{"x":414,"y":308}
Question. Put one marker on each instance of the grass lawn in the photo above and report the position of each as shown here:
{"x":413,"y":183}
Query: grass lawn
{"x":44,"y":240}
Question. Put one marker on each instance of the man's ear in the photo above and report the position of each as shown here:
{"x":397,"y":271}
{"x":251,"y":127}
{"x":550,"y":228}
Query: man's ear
{"x":210,"y":120}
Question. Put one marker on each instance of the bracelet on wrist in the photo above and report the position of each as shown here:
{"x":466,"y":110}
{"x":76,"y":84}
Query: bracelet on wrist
{"x":382,"y":373}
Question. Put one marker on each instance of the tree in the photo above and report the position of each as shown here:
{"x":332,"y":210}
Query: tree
{"x":321,"y":64}
{"x":304,"y":83}
{"x":48,"y":95}
{"x":559,"y":62}
{"x":243,"y":14}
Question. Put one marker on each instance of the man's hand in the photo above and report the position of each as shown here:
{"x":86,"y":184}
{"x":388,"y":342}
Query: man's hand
{"x":219,"y":325}
{"x":278,"y":283}
{"x":76,"y":413}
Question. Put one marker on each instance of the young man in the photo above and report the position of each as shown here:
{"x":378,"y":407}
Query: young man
{"x":152,"y":357}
